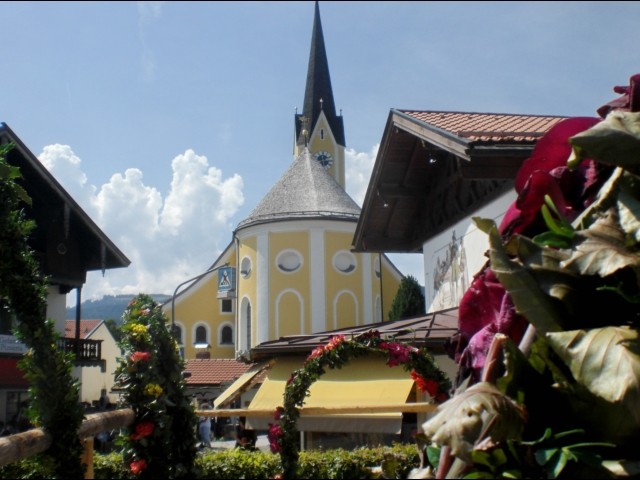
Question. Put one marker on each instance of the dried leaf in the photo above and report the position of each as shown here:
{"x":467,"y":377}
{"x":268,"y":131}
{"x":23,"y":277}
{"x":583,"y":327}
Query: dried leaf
{"x":479,"y":415}
{"x":605,"y":360}
{"x":614,"y":141}
{"x":601,"y":249}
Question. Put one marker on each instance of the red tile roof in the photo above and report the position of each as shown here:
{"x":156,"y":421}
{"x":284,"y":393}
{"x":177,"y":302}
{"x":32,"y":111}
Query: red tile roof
{"x":488,"y":127}
{"x":214,"y":371}
{"x":86,"y":327}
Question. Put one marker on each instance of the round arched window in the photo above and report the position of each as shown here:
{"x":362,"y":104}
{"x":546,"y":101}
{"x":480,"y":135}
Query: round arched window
{"x":245,"y":267}
{"x":344,"y":261}
{"x":289,"y":261}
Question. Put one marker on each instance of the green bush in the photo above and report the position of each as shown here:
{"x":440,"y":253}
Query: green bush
{"x":237,"y":463}
{"x":110,"y":465}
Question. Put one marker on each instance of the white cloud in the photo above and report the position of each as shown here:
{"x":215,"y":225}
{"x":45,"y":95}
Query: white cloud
{"x":167,"y":240}
{"x":359,"y":166}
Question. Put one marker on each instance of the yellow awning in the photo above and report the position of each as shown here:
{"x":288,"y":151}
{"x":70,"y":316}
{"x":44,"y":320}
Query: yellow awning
{"x":241,"y":384}
{"x":363,"y":382}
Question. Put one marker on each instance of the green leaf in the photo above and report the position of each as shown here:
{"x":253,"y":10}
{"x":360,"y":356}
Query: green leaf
{"x":545,"y":454}
{"x":557,"y":463}
{"x":481,"y":457}
{"x":433,"y":454}
{"x":479,"y":474}
{"x":552,"y":239}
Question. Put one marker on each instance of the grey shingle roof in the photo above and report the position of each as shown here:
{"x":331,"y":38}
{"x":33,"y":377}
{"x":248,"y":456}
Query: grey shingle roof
{"x":304,"y":191}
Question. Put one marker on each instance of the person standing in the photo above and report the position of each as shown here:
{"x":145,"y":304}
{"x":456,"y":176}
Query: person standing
{"x":204,"y":428}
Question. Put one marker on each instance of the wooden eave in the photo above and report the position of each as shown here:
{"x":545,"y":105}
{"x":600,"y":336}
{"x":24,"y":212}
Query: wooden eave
{"x":66,"y":241}
{"x":425,"y":179}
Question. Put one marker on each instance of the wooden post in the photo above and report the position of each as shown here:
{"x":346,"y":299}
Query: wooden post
{"x":87,"y":457}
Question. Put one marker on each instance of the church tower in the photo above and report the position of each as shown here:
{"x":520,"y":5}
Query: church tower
{"x":291,"y":268}
{"x":318,"y":127}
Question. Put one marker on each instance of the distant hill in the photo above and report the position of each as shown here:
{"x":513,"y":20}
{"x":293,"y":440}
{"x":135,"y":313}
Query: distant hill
{"x":110,"y":306}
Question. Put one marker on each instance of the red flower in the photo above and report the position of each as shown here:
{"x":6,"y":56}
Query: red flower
{"x":425,"y":385}
{"x":140,"y":356}
{"x":143,"y":429}
{"x":138,"y":466}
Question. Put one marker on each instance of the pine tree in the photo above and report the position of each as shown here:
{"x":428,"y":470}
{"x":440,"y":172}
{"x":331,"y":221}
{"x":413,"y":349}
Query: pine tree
{"x":409,"y":300}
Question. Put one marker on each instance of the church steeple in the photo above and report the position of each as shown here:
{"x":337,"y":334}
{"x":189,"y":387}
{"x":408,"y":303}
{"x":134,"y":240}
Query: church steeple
{"x":318,"y":118}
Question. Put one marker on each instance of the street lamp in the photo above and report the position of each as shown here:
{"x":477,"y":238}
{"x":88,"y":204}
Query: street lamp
{"x":173,"y":298}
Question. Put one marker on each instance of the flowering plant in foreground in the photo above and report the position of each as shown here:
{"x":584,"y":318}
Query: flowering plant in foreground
{"x":335,"y":354}
{"x":160,"y":443}
{"x":550,"y":327}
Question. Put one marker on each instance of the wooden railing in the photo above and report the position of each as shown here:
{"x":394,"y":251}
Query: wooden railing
{"x":22,"y":445}
{"x":82,"y":348}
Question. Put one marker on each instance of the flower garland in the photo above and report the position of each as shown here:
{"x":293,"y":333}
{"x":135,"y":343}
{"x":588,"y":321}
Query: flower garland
{"x":335,"y":354}
{"x":53,"y":389}
{"x":161,"y":441}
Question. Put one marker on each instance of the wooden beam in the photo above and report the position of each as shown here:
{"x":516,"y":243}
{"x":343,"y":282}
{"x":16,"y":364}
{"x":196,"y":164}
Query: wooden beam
{"x":26,"y":444}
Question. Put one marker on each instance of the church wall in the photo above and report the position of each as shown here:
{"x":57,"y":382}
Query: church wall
{"x":289,"y":271}
{"x":247,"y":283}
{"x":343,"y":275}
{"x":198,"y":305}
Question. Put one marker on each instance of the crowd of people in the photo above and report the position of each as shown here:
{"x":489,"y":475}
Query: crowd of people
{"x":213,"y":427}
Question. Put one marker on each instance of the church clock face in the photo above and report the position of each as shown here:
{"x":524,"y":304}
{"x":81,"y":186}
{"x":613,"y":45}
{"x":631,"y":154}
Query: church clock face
{"x":325,"y":159}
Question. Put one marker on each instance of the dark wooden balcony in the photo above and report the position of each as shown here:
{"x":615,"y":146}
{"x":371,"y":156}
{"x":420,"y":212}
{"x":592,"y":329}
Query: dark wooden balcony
{"x":87,"y":352}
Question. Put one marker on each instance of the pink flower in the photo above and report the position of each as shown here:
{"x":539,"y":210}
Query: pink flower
{"x":274,"y":435}
{"x":317,"y":352}
{"x":137,"y":466}
{"x":334,"y":342}
{"x":486,"y":308}
{"x":398,"y":353}
{"x":140,"y":356}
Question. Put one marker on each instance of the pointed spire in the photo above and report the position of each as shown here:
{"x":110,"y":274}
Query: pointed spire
{"x":318,"y":95}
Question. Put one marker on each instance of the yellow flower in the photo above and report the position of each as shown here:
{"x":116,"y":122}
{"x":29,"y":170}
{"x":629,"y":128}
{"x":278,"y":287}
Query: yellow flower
{"x":153,"y":390}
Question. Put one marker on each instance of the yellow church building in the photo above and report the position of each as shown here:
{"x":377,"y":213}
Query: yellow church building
{"x":289,"y":268}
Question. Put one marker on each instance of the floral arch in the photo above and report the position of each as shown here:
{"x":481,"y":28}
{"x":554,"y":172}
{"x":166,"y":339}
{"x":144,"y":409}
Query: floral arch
{"x":335,"y":354}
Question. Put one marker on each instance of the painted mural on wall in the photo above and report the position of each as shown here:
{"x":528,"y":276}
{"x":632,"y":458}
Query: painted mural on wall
{"x":450,"y":274}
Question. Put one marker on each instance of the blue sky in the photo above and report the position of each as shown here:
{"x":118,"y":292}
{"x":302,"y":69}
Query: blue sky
{"x":169,"y":121}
